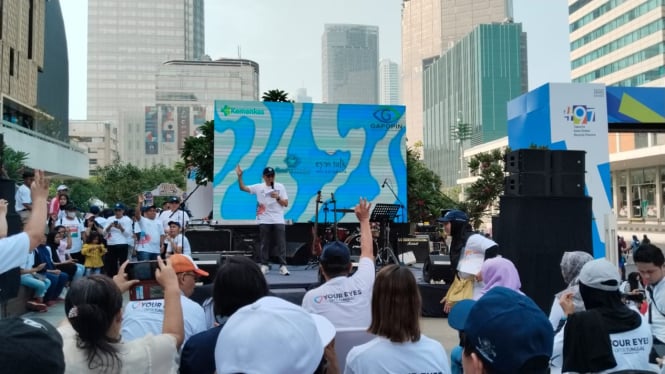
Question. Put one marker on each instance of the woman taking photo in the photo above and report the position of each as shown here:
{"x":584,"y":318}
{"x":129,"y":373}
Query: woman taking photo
{"x":92,"y":341}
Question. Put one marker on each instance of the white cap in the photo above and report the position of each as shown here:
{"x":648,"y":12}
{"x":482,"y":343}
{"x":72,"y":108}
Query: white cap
{"x":601,"y":275}
{"x":289,"y":339}
{"x":61,"y":187}
{"x":473,"y":254}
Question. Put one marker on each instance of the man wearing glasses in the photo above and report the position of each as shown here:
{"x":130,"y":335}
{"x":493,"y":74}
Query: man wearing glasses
{"x":146,"y":317}
{"x":271,"y":199}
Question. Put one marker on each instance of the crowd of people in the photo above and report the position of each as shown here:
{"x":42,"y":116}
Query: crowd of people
{"x":243,"y":328}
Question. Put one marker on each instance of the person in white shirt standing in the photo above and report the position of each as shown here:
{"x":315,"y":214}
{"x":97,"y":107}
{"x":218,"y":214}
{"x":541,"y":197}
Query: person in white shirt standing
{"x":174,"y":213}
{"x":23,"y":204}
{"x":271,"y":201}
{"x":118,"y":230}
{"x":76,"y":229}
{"x":151,"y":237}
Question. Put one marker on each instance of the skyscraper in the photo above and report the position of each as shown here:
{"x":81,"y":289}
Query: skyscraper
{"x":622,"y":43}
{"x":350,"y":55}
{"x":430,"y":27}
{"x":389,"y":82}
{"x":128,"y":41}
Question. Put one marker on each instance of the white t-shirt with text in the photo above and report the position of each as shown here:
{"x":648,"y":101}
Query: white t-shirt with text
{"x":268,"y":210}
{"x":149,"y":236}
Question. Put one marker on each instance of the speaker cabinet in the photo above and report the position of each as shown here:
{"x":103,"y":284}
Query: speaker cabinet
{"x":438,"y":268}
{"x":419,"y":246}
{"x":533,"y":232}
{"x":568,"y":184}
{"x":568,"y":161}
{"x":528,"y":161}
{"x":527,"y":184}
{"x":210,"y":240}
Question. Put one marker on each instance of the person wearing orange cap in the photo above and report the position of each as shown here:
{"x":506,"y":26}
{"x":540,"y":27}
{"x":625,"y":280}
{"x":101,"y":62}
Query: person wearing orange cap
{"x":146,"y":316}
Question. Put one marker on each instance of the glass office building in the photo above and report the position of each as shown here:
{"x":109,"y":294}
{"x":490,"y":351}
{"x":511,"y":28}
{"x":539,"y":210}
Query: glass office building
{"x":471,"y":85}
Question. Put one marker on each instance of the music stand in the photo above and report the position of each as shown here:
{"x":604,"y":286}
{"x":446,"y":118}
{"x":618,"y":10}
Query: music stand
{"x":385,"y":213}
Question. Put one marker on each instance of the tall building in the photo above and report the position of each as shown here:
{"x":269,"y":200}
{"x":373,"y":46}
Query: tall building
{"x":350,"y":55}
{"x":127,"y":43}
{"x":466,"y":92}
{"x":388,"y":82}
{"x":25,"y":86}
{"x":302,"y":97}
{"x":430,"y":27}
{"x":622,"y":43}
{"x":99,"y":138}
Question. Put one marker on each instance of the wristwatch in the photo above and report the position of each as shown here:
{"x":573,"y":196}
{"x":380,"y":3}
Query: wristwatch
{"x":277,"y":198}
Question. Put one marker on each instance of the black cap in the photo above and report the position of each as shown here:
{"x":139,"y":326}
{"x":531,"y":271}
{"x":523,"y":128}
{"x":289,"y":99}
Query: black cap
{"x":335,"y":253}
{"x":94,"y":209}
{"x":174,"y":199}
{"x":174,"y":223}
{"x":147,"y":208}
{"x":28,"y":174}
{"x":30,"y":345}
{"x":119,"y":206}
{"x":268,"y":171}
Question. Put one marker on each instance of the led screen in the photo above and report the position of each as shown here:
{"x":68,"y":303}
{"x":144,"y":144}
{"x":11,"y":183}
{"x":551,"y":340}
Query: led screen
{"x":345,"y":151}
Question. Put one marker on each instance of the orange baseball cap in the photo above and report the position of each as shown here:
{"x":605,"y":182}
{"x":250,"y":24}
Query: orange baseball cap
{"x":182,"y":263}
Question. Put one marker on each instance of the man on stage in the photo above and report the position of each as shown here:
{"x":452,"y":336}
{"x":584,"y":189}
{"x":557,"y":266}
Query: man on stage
{"x":271,"y":200}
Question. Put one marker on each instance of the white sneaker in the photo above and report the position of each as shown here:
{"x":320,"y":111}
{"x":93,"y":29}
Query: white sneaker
{"x":264,"y":269}
{"x":283,"y":270}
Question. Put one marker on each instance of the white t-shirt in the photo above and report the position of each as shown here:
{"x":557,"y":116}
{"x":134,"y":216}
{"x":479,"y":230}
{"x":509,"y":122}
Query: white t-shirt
{"x":179,"y":240}
{"x":76,"y":230}
{"x":141,"y":318}
{"x":150,"y":354}
{"x":22,"y":197}
{"x":380,"y":355}
{"x":631,"y":349}
{"x":269,"y":211}
{"x":656,"y":306}
{"x":150,"y":231}
{"x":115,"y":236}
{"x":345,"y":301}
{"x":179,"y":216}
{"x":14,"y":250}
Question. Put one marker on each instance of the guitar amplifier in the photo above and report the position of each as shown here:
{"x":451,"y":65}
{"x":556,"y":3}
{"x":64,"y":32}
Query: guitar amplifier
{"x":418,"y":245}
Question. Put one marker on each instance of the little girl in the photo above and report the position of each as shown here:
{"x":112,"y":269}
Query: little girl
{"x":93,"y":251}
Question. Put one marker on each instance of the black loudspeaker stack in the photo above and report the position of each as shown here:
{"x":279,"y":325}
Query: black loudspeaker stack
{"x":543,"y":213}
{"x":541,"y":172}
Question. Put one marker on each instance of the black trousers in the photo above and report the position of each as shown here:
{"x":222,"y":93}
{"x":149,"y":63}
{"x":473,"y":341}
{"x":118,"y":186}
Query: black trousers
{"x":273,"y":243}
{"x":114,"y":257}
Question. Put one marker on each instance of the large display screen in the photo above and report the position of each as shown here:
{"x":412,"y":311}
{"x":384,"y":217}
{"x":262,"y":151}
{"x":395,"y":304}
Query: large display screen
{"x":345,"y":151}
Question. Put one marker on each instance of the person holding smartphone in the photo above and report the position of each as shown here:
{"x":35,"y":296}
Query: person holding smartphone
{"x":118,"y":230}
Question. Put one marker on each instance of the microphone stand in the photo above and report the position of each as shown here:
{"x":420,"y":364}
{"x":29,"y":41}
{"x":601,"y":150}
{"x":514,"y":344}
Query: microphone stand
{"x":401,"y":205}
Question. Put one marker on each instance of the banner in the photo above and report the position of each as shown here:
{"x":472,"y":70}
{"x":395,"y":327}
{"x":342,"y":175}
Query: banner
{"x":183,"y":125}
{"x":151,"y":130}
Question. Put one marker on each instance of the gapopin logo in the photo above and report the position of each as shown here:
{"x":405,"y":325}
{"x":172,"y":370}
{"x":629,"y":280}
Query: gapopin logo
{"x":226,"y":110}
{"x":387,"y":114}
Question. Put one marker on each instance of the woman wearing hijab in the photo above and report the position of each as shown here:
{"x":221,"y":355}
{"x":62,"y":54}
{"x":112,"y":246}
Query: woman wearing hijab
{"x":571,"y":264}
{"x":499,"y":271}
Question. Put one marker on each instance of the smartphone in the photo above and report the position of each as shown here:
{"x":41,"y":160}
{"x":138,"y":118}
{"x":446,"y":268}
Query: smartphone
{"x":141,"y":270}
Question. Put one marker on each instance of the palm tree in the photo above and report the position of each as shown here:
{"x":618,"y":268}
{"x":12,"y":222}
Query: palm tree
{"x":276,"y":95}
{"x":198,"y":152}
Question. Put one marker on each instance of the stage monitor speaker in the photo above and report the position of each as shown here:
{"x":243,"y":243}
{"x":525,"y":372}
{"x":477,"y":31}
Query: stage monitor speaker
{"x":437,"y":268}
{"x":534,"y":232}
{"x":210,"y":240}
{"x":568,"y":161}
{"x":568,"y":184}
{"x":528,"y":161}
{"x":418,"y":245}
{"x":297,"y":253}
{"x":527,"y":184}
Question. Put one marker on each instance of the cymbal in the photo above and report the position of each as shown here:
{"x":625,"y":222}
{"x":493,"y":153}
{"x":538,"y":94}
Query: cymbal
{"x":344,"y":210}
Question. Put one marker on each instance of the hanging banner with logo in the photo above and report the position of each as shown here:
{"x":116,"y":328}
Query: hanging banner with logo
{"x":350,"y":151}
{"x":183,"y":125}
{"x":151,"y":130}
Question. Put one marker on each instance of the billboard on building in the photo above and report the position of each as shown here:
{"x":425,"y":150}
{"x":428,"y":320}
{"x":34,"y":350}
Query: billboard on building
{"x":151,"y":130}
{"x":345,"y":151}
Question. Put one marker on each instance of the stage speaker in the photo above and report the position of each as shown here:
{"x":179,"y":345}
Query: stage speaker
{"x":568,"y":161}
{"x":210,"y":240}
{"x":533,"y":232}
{"x":568,"y":184}
{"x":418,"y":245}
{"x":8,"y":192}
{"x":528,"y":161}
{"x":297,"y":253}
{"x":437,"y":268}
{"x":527,"y":184}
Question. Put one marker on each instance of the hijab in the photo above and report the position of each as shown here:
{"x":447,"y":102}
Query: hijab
{"x":499,"y":271}
{"x":571,"y":265}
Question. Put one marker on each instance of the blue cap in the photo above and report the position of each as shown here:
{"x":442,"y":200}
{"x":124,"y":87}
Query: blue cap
{"x":454,"y":215}
{"x":268,"y":171}
{"x":118,"y":206}
{"x":335,"y":253}
{"x":505,"y":328}
{"x":147,"y":208}
{"x":94,"y":209}
{"x":174,"y":199}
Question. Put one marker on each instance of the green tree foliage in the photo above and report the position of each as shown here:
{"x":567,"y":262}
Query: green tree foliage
{"x":82,"y":192}
{"x":198,"y":153}
{"x":276,"y":95}
{"x":425,"y":199}
{"x":14,"y":162}
{"x":489,"y":186}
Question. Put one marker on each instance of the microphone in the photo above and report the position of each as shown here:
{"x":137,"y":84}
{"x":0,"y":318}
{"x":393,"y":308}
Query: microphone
{"x":272,"y":185}
{"x":384,"y":183}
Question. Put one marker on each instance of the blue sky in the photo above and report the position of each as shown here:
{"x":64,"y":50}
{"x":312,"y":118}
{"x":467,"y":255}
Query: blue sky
{"x":284,"y":37}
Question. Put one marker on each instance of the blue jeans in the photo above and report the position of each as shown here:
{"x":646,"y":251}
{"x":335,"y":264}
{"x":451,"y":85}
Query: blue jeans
{"x":80,"y":271}
{"x":90,"y":271}
{"x":58,"y":282}
{"x":456,"y":360}
{"x":39,"y":285}
{"x":146,"y":256}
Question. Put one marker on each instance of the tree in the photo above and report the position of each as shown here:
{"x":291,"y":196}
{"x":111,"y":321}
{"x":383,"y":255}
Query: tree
{"x":425,"y":199}
{"x":14,"y":162}
{"x":82,"y":192}
{"x":276,"y":95}
{"x":489,"y":186}
{"x":198,"y":154}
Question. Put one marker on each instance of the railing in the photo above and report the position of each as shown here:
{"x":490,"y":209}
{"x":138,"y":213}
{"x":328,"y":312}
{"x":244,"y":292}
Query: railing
{"x":43,"y":137}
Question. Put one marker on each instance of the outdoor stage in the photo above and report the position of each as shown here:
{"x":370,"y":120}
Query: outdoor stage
{"x":302,"y":279}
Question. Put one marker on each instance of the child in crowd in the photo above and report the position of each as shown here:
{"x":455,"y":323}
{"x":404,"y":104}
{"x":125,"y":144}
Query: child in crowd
{"x":93,"y":250}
